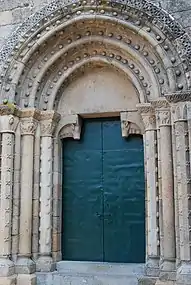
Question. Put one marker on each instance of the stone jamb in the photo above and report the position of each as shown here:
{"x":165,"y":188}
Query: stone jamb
{"x":48,"y":123}
{"x":152,"y":216}
{"x":25,"y":266}
{"x":180,"y":106}
{"x":166,"y":193}
{"x":8,"y":125}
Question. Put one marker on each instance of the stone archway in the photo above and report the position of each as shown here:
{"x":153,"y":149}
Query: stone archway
{"x":48,"y":52}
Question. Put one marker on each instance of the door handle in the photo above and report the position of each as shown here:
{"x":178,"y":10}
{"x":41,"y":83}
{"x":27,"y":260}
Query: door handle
{"x":108,"y":215}
{"x":99,"y":215}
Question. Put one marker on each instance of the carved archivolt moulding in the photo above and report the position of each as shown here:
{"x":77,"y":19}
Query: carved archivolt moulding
{"x":128,"y":45}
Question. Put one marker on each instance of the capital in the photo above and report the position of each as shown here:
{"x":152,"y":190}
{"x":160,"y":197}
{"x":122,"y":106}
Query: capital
{"x":148,"y":115}
{"x":48,"y":123}
{"x":163,"y":117}
{"x":28,"y":126}
{"x":8,"y":123}
{"x":181,"y":111}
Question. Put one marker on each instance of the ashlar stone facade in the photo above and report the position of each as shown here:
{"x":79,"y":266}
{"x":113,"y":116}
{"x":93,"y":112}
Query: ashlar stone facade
{"x":46,"y":66}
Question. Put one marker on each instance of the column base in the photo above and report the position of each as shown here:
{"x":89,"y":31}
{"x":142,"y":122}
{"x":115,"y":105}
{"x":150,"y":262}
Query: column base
{"x":26,"y":279}
{"x":45,"y":264}
{"x":152,"y":267}
{"x":25,"y":265}
{"x":167,"y":270}
{"x":9,"y":280}
{"x":183,"y":276}
{"x":7,"y":267}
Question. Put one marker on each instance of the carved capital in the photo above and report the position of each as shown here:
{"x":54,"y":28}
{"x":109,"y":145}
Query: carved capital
{"x":8,"y":123}
{"x":163,"y":117}
{"x":28,"y":126}
{"x":47,"y":128}
{"x":181,"y":111}
{"x":71,"y":130}
{"x":148,"y":116}
{"x":49,"y":122}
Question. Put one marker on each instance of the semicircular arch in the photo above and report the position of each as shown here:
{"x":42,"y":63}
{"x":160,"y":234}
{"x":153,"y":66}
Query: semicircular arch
{"x":152,"y":37}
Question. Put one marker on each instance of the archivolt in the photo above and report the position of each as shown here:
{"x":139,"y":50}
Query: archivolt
{"x":134,"y":36}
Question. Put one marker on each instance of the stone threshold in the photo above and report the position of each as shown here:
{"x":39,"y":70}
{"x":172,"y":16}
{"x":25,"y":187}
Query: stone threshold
{"x":96,"y":268}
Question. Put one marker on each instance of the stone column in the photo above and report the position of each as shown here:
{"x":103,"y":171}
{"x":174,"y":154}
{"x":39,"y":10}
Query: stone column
{"x":25,"y":267}
{"x":49,"y":120}
{"x":182,"y":125}
{"x":169,"y":252}
{"x":8,"y":124}
{"x":150,"y":140}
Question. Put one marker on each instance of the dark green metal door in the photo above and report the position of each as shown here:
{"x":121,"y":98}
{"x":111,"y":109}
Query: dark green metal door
{"x":103,"y":195}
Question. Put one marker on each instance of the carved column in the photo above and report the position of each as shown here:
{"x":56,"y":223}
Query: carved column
{"x":168,"y":259}
{"x":48,"y":123}
{"x":8,"y":124}
{"x":182,"y":125}
{"x":25,"y":266}
{"x":153,"y":245}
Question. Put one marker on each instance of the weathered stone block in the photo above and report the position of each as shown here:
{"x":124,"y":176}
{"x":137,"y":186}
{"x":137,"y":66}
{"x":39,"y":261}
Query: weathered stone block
{"x":45,"y":264}
{"x":57,"y":225}
{"x":56,"y":242}
{"x":6,"y":267}
{"x":25,"y":266}
{"x":26,"y":279}
{"x":11,"y":280}
{"x":147,"y":281}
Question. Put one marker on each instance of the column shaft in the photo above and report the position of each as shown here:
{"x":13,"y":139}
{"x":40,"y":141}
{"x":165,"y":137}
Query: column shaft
{"x":46,"y":196}
{"x":6,"y":193}
{"x":8,"y":124}
{"x":167,"y":193}
{"x":153,"y":249}
{"x":45,"y":262}
{"x":26,"y":196}
{"x":152,"y":199}
{"x":25,"y":266}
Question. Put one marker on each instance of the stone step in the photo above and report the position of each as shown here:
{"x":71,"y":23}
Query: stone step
{"x":92,"y":273}
{"x":95,"y":268}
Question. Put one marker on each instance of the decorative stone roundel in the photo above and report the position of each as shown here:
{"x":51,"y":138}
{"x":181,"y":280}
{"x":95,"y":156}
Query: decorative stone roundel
{"x":66,"y":38}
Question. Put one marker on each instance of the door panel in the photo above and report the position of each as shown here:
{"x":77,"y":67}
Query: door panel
{"x":103,"y":195}
{"x":82,"y":197}
{"x":123,"y":184}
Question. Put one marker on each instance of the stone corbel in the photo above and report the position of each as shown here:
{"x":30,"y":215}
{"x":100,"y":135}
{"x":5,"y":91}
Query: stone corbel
{"x":71,"y":128}
{"x":130,"y":124}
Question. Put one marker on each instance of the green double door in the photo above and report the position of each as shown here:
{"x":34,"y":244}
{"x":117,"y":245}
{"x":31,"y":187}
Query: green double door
{"x":103,"y":195}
